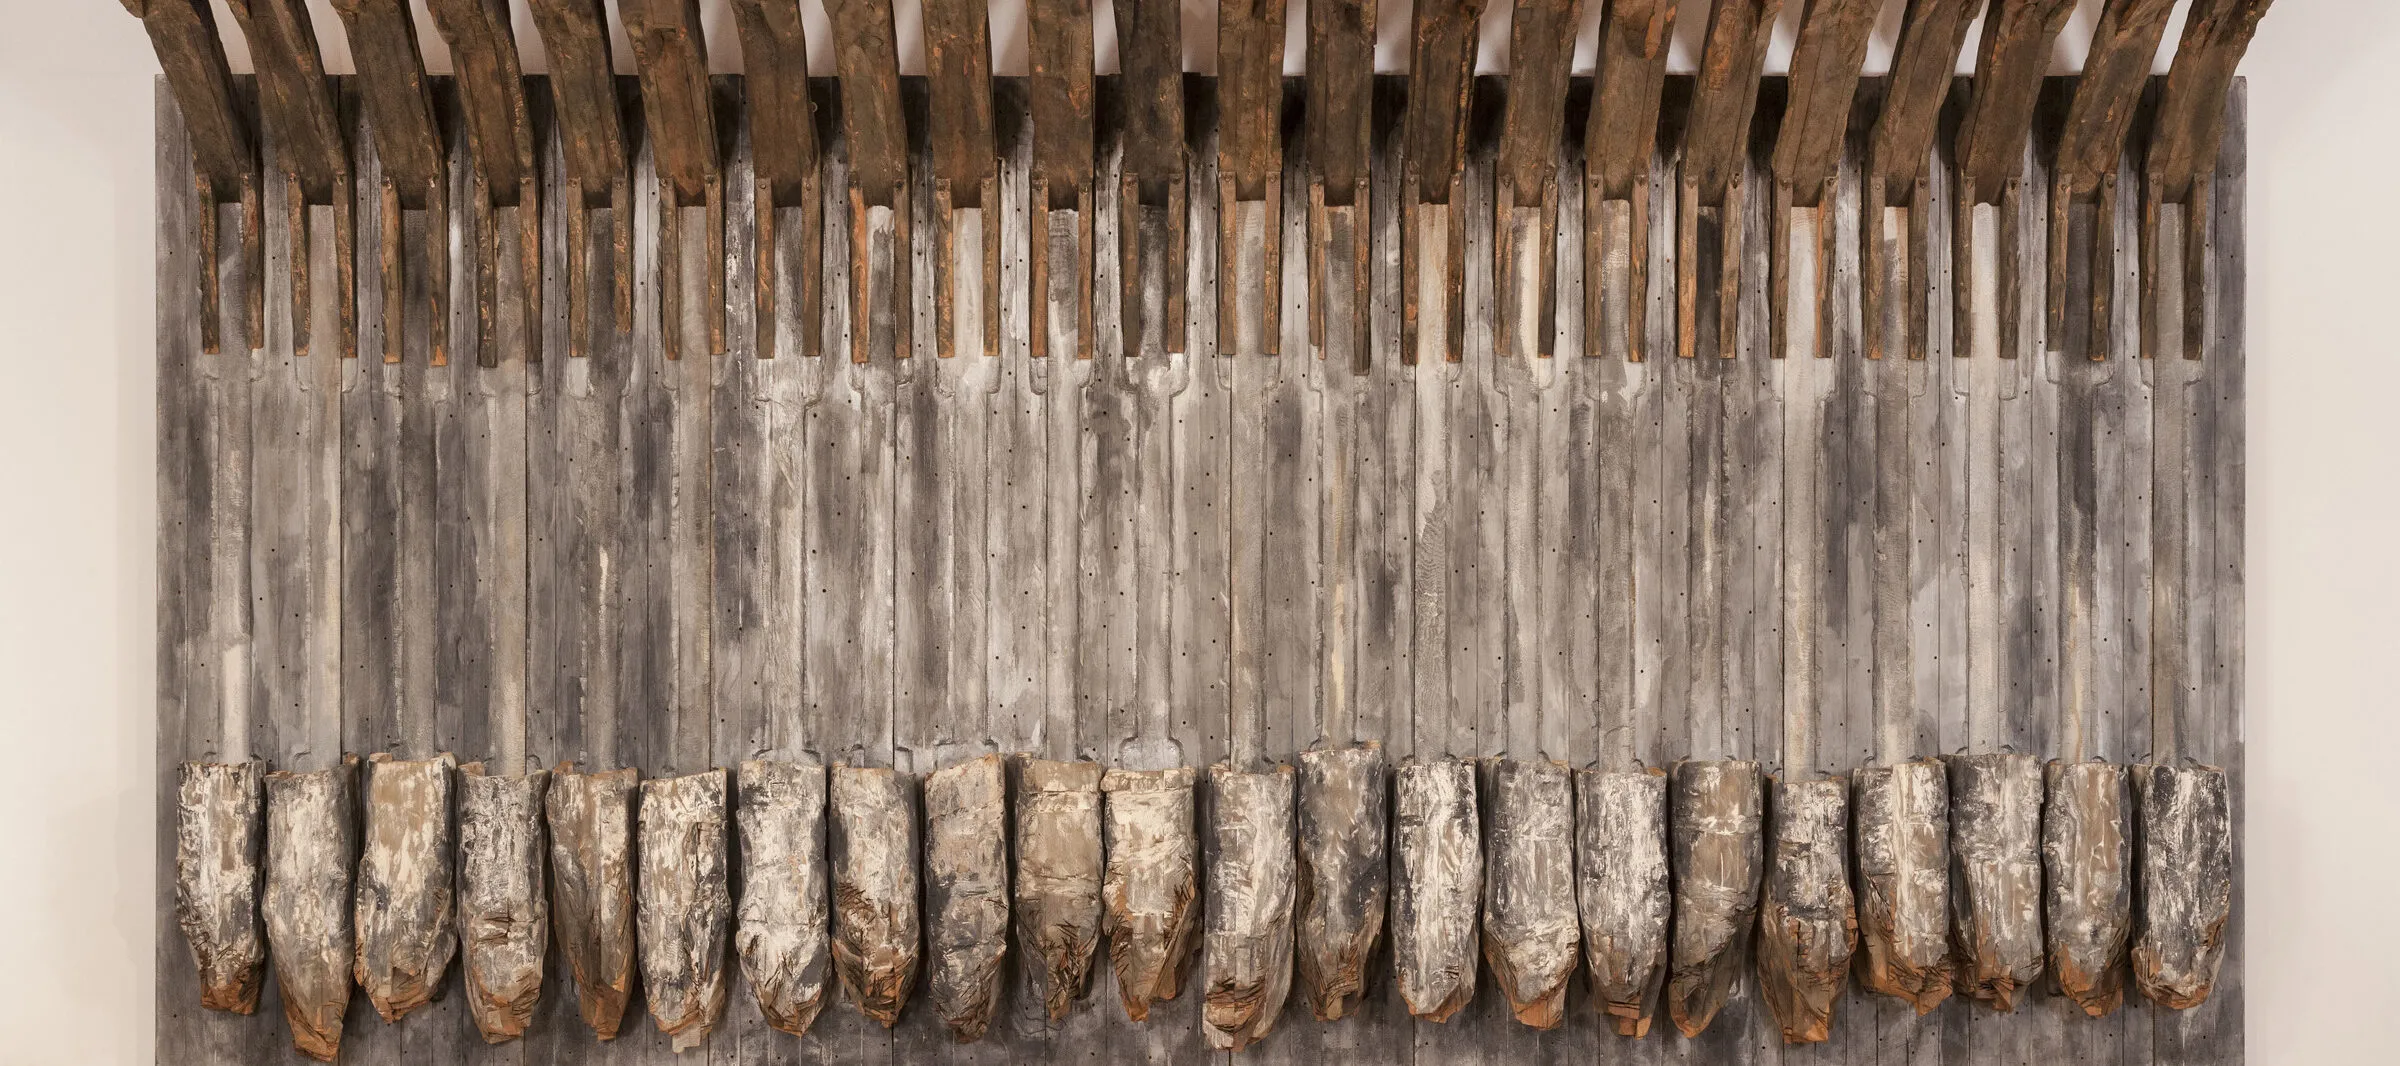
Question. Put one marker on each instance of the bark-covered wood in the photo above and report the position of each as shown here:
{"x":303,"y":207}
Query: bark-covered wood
{"x":1808,"y":925}
{"x":220,"y":853}
{"x":784,"y":164}
{"x":679,"y":120}
{"x":1441,"y":65}
{"x":966,"y":892}
{"x":2185,"y":130}
{"x":591,"y":887}
{"x":684,"y":906}
{"x":1826,"y":59}
{"x":1247,"y":943}
{"x":1716,"y":151}
{"x":2088,"y":874}
{"x":1344,"y":878}
{"x":311,"y":158}
{"x":1894,"y":205}
{"x":872,"y":842}
{"x":1623,"y":891}
{"x":1437,"y":886}
{"x":1151,"y":890}
{"x":223,"y":151}
{"x":1059,"y":866}
{"x":591,"y":133}
{"x":1249,"y":167}
{"x":503,"y":913}
{"x":1530,"y":930}
{"x":312,"y":849}
{"x":1619,"y":138}
{"x":780,"y":923}
{"x":1151,"y":162}
{"x":407,"y":914}
{"x":1996,"y":881}
{"x":2185,"y":896}
{"x":500,"y":146}
{"x":1902,"y":815}
{"x":1717,"y":846}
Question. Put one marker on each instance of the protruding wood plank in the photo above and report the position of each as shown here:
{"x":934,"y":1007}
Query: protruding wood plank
{"x":1063,"y":108}
{"x":1620,"y":138}
{"x":784,"y":163}
{"x":679,"y":117}
{"x":1340,"y":115}
{"x":224,"y":154}
{"x":866,"y":48}
{"x":2009,"y":63}
{"x":1525,"y":191}
{"x":1826,"y":61}
{"x":598,"y":172}
{"x":1441,"y":64}
{"x":412,"y":159}
{"x":1249,"y":172}
{"x":1895,"y":228}
{"x":966,"y":171}
{"x":1716,"y":152}
{"x":2176,"y":172}
{"x":1151,"y":169}
{"x":311,"y":155}
{"x":500,"y":141}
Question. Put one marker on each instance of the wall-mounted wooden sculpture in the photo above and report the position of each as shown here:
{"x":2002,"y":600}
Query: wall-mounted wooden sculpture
{"x":867,"y":53}
{"x":1058,"y":872}
{"x":1344,"y":880}
{"x":2181,"y":161}
{"x":1151,"y":887}
{"x":1441,"y":66}
{"x":220,"y":856}
{"x":506,"y":167}
{"x":2009,"y":64}
{"x":966,"y":893}
{"x":1620,"y":137}
{"x":2083,"y":179}
{"x":1062,"y":172}
{"x":1525,"y":176}
{"x":1249,"y":171}
{"x":1623,"y":895}
{"x":224,"y":153}
{"x":1437,"y":886}
{"x":312,"y":848}
{"x":1716,"y":149}
{"x":1151,"y":175}
{"x":591,"y":887}
{"x":1718,"y":851}
{"x":591,"y":132}
{"x":1246,"y":955}
{"x":679,"y":112}
{"x":780,"y":927}
{"x":311,"y":154}
{"x":1894,"y":229}
{"x":1531,"y":935}
{"x":414,"y":159}
{"x":871,"y":844}
{"x":1808,"y":157}
{"x":1340,"y":113}
{"x":1902,"y":843}
{"x":966,"y":173}
{"x":784,"y":162}
{"x":503,"y":905}
{"x":406,"y":918}
{"x":1808,"y":925}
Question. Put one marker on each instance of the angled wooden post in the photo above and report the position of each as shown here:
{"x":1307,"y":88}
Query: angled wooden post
{"x":680,"y":117}
{"x":783,"y":159}
{"x":2182,"y":160}
{"x":592,"y":133}
{"x":1541,"y":48}
{"x":1061,"y":48}
{"x":1716,"y":148}
{"x":1250,"y":160}
{"x":1808,"y":151}
{"x":2009,"y":64}
{"x":296,"y":102}
{"x":1619,"y":138}
{"x":867,"y":52}
{"x":2089,"y":148}
{"x":966,"y":168}
{"x":1341,"y":98}
{"x":1900,"y":163}
{"x":413,"y":158}
{"x":1152,"y":166}
{"x":224,"y":153}
{"x":1441,"y":80}
{"x":491,"y":90}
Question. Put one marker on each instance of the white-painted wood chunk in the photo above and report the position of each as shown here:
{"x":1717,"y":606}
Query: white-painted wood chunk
{"x":1150,"y":892}
{"x":780,"y":923}
{"x":1437,"y":893}
{"x":2087,"y":865}
{"x":220,"y":849}
{"x":503,"y":912}
{"x":1531,"y":934}
{"x":1808,"y":925}
{"x":1902,"y":839}
{"x":1996,"y":885}
{"x":684,"y":906}
{"x":1623,"y":892}
{"x":1247,"y":954}
{"x":2185,"y":895}
{"x":1715,"y":843}
{"x":591,"y":887}
{"x":872,"y":842}
{"x":966,"y":891}
{"x":406,"y":920}
{"x":1344,"y":879}
{"x":1059,"y":868}
{"x":312,"y":848}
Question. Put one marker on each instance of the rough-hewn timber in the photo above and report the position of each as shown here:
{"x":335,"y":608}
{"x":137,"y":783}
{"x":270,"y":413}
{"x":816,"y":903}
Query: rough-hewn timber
{"x":873,"y":846}
{"x":312,"y":844}
{"x":407,"y":915}
{"x":683,"y":905}
{"x":1996,"y":885}
{"x":1437,"y":887}
{"x":1344,"y":879}
{"x":966,"y":892}
{"x":2087,"y":866}
{"x":1058,"y":877}
{"x":220,"y":853}
{"x":503,"y":913}
{"x":780,"y":925}
{"x":591,"y":887}
{"x":1530,"y":934}
{"x":1247,"y":942}
{"x":1807,"y":923}
{"x":1151,"y":890}
{"x":1902,"y":839}
{"x":1623,"y":891}
{"x":1717,"y":849}
{"x":2185,"y":895}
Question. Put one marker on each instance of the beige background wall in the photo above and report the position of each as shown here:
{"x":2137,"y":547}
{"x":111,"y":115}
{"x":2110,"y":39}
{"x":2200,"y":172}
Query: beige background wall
{"x":77,"y":520}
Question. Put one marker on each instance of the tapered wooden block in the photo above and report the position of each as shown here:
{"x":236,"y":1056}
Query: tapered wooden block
{"x":1247,"y":955}
{"x":780,"y":923}
{"x":1996,"y":884}
{"x":966,"y":892}
{"x":684,"y":905}
{"x":2185,"y":895}
{"x":1344,"y":879}
{"x":876,"y":922}
{"x":2087,"y":865}
{"x":1808,"y":924}
{"x":503,"y":914}
{"x":591,"y":887}
{"x":1623,"y":891}
{"x":1058,"y":877}
{"x":220,"y":851}
{"x":1150,"y":893}
{"x":407,"y":916}
{"x":312,"y":849}
{"x":1902,"y":839}
{"x":1437,"y":886}
{"x":1530,"y":930}
{"x":1717,"y":849}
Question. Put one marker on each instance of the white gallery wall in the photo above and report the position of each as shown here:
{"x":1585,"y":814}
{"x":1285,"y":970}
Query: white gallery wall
{"x":78,"y":515}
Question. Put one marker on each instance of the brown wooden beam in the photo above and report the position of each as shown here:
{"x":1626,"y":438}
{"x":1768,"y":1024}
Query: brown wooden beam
{"x":2181,"y":163}
{"x":2009,"y":64}
{"x":1826,"y":58}
{"x":413,"y":159}
{"x":1441,"y":75}
{"x":1619,"y":138}
{"x":1062,"y":170}
{"x":1341,"y":97}
{"x":966,"y":169}
{"x":1151,"y":164}
{"x":679,"y":114}
{"x":1716,"y":149}
{"x":783,"y":159}
{"x":311,"y":154}
{"x":2091,"y":145}
{"x":583,"y":85}
{"x":867,"y":52}
{"x":224,"y":153}
{"x":1250,"y":157}
{"x":1541,"y":50}
{"x":491,"y":91}
{"x":1900,"y":162}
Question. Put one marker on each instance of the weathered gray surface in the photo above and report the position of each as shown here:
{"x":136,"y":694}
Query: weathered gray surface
{"x":684,"y":906}
{"x":1902,"y":838}
{"x":591,"y":887}
{"x":1437,"y":886}
{"x":1246,"y":947}
{"x":1623,"y":892}
{"x":2185,"y":895}
{"x":2088,"y":873}
{"x":1807,"y":922}
{"x":1344,"y":880}
{"x":1716,"y":844}
{"x":1058,"y":843}
{"x":1996,"y":881}
{"x":503,"y":904}
{"x":1530,"y":931}
{"x":312,"y":844}
{"x":407,"y":913}
{"x":780,"y":922}
{"x":872,"y":843}
{"x":220,"y":865}
{"x":966,"y":892}
{"x":1151,"y":891}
